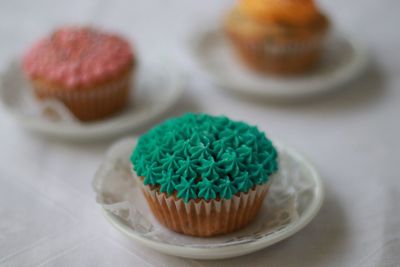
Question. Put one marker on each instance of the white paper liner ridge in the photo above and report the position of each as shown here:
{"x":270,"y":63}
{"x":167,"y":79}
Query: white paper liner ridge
{"x":245,"y":197}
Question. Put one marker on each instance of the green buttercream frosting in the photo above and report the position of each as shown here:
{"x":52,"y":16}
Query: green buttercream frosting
{"x":203,"y":156}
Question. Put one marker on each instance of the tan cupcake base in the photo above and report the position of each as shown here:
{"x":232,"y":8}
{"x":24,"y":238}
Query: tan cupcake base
{"x":276,"y":49}
{"x":88,"y":104}
{"x":278,"y":64}
{"x":254,"y":55}
{"x":206,"y":218}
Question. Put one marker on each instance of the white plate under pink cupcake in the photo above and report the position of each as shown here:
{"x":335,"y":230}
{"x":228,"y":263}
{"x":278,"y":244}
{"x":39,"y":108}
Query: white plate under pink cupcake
{"x":79,"y":84}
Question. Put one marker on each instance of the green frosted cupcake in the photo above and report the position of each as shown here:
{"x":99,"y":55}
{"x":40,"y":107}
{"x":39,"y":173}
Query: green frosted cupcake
{"x":204,"y":175}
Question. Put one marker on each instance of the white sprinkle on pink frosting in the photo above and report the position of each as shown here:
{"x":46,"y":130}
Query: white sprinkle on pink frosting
{"x":77,"y":57}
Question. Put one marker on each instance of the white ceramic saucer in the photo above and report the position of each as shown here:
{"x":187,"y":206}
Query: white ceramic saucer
{"x":157,"y":88}
{"x":343,"y":60}
{"x":295,"y":196}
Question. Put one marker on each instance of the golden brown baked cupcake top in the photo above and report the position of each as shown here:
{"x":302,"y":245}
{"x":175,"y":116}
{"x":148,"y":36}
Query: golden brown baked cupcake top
{"x":290,"y":12}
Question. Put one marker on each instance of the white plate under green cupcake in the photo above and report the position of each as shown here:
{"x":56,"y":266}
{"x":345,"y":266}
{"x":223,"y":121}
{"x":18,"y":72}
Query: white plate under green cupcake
{"x":207,"y":187}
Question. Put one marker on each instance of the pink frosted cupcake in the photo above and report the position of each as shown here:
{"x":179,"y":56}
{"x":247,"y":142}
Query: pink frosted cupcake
{"x":88,"y":70}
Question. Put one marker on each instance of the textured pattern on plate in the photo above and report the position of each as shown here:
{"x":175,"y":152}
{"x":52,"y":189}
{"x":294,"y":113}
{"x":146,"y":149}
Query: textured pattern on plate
{"x":118,"y":192}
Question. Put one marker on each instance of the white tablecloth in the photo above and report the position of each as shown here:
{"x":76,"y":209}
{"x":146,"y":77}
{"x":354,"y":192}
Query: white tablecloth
{"x":48,"y":215}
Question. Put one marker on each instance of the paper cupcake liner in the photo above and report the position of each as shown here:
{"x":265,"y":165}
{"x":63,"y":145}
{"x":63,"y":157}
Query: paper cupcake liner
{"x":92,"y":103}
{"x":272,"y":48}
{"x":281,"y":56}
{"x":205,"y":218}
{"x":290,"y":47}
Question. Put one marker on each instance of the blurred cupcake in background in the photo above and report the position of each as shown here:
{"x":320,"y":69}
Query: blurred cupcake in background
{"x":86,"y":69}
{"x":277,"y":36}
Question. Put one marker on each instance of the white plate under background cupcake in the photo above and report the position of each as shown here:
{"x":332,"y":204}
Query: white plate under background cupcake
{"x":295,"y":196}
{"x":343,"y":60}
{"x":157,"y":88}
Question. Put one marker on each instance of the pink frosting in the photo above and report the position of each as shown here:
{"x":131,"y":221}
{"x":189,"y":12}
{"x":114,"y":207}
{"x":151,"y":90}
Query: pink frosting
{"x":78,"y":57}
